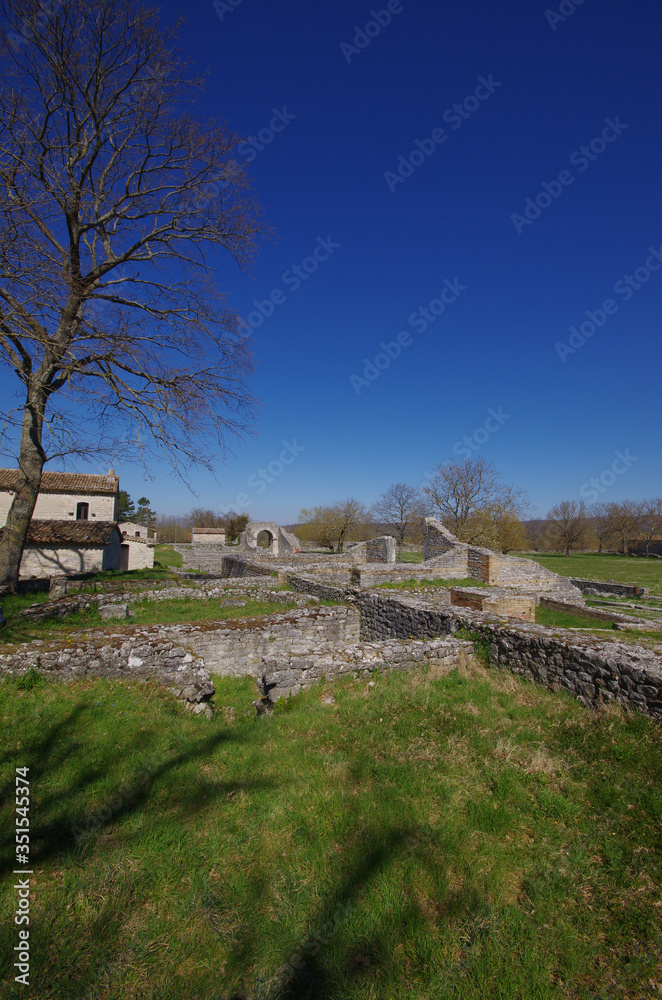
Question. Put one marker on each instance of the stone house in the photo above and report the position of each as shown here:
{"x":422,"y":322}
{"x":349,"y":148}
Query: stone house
{"x":56,"y":547}
{"x":138,"y":543}
{"x":208,"y":536}
{"x":73,"y":527}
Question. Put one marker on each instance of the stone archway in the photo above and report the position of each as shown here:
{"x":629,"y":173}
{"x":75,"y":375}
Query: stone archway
{"x":264,"y":539}
{"x":255,"y":529}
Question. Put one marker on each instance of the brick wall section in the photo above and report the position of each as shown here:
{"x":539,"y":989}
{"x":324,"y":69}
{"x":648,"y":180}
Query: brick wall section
{"x":496,"y":602}
{"x":478,"y":563}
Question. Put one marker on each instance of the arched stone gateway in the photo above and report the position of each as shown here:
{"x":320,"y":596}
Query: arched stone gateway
{"x":280,"y":542}
{"x":265,"y":539}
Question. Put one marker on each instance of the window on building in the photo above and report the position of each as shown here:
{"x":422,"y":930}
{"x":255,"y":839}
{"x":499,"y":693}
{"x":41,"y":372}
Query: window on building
{"x":82,"y":511}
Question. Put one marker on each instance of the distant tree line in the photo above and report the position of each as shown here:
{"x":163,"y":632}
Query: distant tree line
{"x":626,"y":526}
{"x":472,"y":500}
{"x":172,"y":528}
{"x":470,"y":497}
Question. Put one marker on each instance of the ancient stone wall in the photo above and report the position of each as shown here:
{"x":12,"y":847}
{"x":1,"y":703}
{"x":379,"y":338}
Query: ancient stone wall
{"x":621,"y":589}
{"x":375,"y":550}
{"x":287,"y":675}
{"x":595,"y":671}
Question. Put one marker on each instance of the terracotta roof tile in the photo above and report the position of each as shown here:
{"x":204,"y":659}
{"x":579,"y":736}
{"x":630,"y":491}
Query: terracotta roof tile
{"x":64,"y":482}
{"x":69,"y":532}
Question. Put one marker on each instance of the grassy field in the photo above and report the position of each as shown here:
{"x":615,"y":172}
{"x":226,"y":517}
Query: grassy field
{"x":167,"y":556}
{"x":601,"y":567}
{"x":410,"y":557}
{"x":429,"y":837}
{"x":560,"y":619}
{"x":143,"y":613}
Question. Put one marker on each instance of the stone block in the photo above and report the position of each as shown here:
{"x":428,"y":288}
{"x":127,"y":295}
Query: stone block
{"x":108,"y":611}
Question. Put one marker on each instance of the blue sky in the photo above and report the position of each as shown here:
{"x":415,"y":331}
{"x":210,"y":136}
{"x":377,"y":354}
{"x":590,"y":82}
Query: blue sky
{"x":405,"y":158}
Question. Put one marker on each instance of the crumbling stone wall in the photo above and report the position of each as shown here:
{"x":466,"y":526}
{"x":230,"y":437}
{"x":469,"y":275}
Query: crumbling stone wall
{"x":287,"y":675}
{"x":375,"y":550}
{"x":594,"y":670}
{"x":620,"y":589}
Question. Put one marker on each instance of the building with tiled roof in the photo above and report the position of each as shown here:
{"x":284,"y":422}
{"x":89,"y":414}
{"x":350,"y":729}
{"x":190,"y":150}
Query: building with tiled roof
{"x":56,"y":547}
{"x":73,"y":528}
{"x":65,"y":496}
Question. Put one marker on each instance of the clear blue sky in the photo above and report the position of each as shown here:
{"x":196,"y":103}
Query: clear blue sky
{"x":532,"y":89}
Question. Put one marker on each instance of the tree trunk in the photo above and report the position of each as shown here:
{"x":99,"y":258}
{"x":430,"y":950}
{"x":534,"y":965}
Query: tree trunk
{"x":31,"y":462}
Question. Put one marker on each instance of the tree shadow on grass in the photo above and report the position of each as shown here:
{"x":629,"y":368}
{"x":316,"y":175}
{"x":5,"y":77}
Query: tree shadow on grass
{"x":328,"y":963}
{"x":73,"y":826}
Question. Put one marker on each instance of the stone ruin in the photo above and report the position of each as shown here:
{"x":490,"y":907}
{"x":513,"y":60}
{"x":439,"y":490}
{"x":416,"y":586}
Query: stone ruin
{"x":281,"y":542}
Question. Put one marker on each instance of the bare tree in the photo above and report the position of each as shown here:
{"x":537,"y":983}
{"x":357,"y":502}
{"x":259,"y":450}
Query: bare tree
{"x":332,"y":525}
{"x":651,"y":525}
{"x":108,"y":215}
{"x":601,"y":523}
{"x":568,"y":525}
{"x":536,"y":533}
{"x":399,"y":510}
{"x":470,"y":497}
{"x":625,"y":518}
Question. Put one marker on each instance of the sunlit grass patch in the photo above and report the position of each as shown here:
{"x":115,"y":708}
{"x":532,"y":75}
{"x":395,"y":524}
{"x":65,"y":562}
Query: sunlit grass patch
{"x":466,"y":835}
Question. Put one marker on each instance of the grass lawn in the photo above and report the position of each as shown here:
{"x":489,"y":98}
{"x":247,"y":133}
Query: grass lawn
{"x":559,"y":619}
{"x":167,"y":556}
{"x":410,"y":557}
{"x":430,"y":837}
{"x":594,"y":566}
{"x":188,"y":610}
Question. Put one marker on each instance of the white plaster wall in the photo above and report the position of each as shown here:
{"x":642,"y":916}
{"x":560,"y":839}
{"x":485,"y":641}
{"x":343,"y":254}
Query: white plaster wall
{"x":62,"y":506}
{"x":141,"y":555}
{"x":48,"y":560}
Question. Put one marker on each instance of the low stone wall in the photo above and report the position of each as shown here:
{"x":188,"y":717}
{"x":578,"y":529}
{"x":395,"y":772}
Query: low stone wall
{"x":64,"y":607}
{"x":496,"y":601}
{"x":595,"y":671}
{"x":581,"y":611}
{"x":287,"y":675}
{"x":623,"y":589}
{"x":106,"y":655}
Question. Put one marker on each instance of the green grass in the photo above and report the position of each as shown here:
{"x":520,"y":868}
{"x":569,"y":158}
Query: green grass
{"x":430,"y":837}
{"x":560,"y":619}
{"x":167,"y":556}
{"x":601,"y":567}
{"x":410,"y":557}
{"x":413,"y":584}
{"x":183,"y":610}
